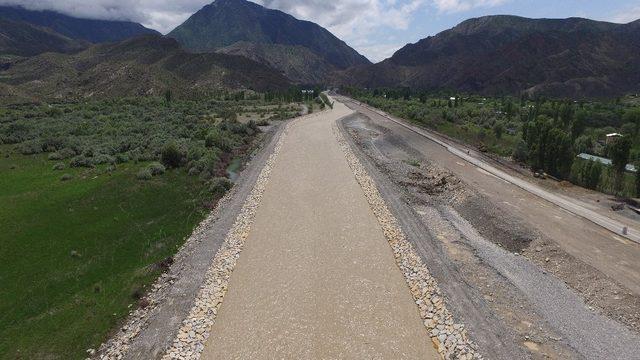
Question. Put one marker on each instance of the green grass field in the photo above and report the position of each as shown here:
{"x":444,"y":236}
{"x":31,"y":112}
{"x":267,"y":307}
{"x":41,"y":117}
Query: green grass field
{"x":74,"y":254}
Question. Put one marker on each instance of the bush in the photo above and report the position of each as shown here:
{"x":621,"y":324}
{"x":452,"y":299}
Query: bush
{"x":81,"y":161}
{"x":54,"y":156}
{"x":156,"y":169}
{"x":216,"y":139}
{"x":103,"y":159}
{"x":205,"y":165}
{"x":66,"y":177}
{"x":30,"y":147}
{"x":144,"y":174}
{"x":521,"y":151}
{"x":59,"y":166}
{"x":171,"y":155}
{"x":67,"y":153}
{"x":122,"y":158}
{"x":219,"y":186}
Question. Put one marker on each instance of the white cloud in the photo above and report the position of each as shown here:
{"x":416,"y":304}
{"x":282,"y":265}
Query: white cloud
{"x":162,"y":15}
{"x":626,"y":16}
{"x":450,"y":6}
{"x":355,"y":21}
{"x":379,"y":52}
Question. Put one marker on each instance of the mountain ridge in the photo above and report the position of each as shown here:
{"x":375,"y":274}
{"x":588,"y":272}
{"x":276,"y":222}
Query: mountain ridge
{"x":508,"y":55}
{"x":224,"y":23}
{"x":91,"y":30}
{"x":23,"y":39}
{"x":146,"y":65}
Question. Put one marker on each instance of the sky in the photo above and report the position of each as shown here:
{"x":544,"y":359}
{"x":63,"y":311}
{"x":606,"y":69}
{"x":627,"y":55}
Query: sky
{"x":376,"y":28}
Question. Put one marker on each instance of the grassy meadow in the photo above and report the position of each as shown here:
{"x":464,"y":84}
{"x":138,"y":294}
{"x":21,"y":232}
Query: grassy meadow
{"x":94,"y":196}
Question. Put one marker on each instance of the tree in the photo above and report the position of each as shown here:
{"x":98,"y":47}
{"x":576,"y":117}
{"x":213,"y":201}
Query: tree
{"x":583,"y":144}
{"x":498,"y":130}
{"x":619,"y":153}
{"x":167,"y":96}
{"x":521,"y":152}
{"x":579,"y":123}
{"x":566,"y":115}
{"x":633,"y":116}
{"x":550,"y":148}
{"x":637,"y":182}
{"x":171,"y":156}
{"x":593,"y":177}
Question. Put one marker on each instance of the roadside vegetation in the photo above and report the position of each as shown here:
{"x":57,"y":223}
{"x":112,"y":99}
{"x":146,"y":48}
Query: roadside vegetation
{"x":96,"y":199}
{"x":545,"y":134}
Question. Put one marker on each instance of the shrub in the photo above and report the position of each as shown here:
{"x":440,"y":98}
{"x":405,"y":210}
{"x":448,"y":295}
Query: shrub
{"x":59,"y":166}
{"x":171,"y":155}
{"x":521,"y":151}
{"x":219,"y":186}
{"x":103,"y":159}
{"x":144,"y":174}
{"x":216,"y":139}
{"x":156,"y":169}
{"x":122,"y":158}
{"x":54,"y":156}
{"x":30,"y":147}
{"x":204,"y":165}
{"x":67,"y":153}
{"x":66,"y":177}
{"x":81,"y":161}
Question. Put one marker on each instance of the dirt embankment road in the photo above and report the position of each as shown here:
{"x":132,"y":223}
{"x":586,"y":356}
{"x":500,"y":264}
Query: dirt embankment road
{"x":487,"y":260}
{"x":549,"y":213}
{"x":316,"y":278}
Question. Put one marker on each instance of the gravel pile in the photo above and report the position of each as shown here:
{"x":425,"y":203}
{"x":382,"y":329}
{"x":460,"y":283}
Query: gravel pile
{"x":450,"y":339}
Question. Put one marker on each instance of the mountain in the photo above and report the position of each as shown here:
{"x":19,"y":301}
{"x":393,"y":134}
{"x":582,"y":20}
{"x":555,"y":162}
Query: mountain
{"x":226,"y":23}
{"x":147,"y":65}
{"x":22,"y":39}
{"x":507,"y":55}
{"x":93,"y":31}
{"x":296,"y":62}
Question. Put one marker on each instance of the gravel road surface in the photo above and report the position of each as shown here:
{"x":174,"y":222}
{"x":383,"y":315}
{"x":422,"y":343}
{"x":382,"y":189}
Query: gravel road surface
{"x":317,"y":278}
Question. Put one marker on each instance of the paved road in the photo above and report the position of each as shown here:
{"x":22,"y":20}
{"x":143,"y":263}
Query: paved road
{"x":317,"y":278}
{"x":612,"y":254}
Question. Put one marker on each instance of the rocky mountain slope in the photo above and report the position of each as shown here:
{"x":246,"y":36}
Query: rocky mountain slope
{"x":296,"y":62}
{"x":23,"y":39}
{"x":91,"y":30}
{"x":507,"y":54}
{"x":250,"y":29}
{"x":147,"y":65}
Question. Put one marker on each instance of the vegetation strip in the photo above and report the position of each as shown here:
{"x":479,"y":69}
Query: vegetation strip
{"x":450,"y":339}
{"x":197,"y":326}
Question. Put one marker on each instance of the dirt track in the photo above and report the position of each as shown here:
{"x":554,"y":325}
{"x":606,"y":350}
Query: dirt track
{"x":317,"y":278}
